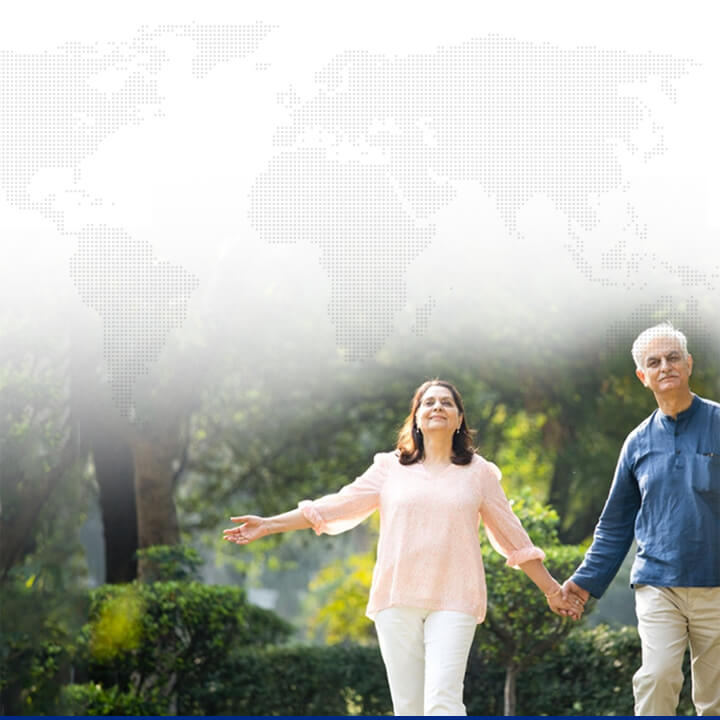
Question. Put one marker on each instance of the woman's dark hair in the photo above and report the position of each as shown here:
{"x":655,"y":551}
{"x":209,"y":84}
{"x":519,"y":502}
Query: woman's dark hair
{"x":410,"y":445}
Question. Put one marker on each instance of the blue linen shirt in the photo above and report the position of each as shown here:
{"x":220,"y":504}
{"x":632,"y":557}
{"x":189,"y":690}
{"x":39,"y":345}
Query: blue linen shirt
{"x":665,"y":494}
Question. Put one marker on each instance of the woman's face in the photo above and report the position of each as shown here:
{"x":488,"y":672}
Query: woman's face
{"x":437,"y":411}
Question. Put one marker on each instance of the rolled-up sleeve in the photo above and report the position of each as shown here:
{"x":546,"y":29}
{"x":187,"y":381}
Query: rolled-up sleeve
{"x":504,"y":530}
{"x":343,"y":510}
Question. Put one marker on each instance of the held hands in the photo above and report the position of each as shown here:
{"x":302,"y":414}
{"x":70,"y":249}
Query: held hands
{"x":574,"y":590}
{"x":565,"y":603}
{"x":253,"y":528}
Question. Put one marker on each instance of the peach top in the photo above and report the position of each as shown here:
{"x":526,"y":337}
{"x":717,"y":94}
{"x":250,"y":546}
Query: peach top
{"x":428,"y":553}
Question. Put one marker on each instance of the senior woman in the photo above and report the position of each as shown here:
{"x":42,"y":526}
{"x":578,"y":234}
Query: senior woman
{"x":428,"y":589}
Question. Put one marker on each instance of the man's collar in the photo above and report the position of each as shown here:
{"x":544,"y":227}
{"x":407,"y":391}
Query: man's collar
{"x":686,"y":413}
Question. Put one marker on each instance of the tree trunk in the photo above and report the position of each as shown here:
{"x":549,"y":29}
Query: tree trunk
{"x":105,"y":435}
{"x":115,"y":475}
{"x":157,"y":519}
{"x":511,"y":672}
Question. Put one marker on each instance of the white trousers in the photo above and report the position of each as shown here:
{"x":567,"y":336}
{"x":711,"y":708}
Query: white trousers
{"x":669,"y":618}
{"x":425,"y":654}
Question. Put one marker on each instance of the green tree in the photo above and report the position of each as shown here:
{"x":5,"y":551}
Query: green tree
{"x":38,"y":447}
{"x":519,"y":628}
{"x":340,"y":594}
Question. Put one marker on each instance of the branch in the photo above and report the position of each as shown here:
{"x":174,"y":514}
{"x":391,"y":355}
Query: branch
{"x":495,"y":627}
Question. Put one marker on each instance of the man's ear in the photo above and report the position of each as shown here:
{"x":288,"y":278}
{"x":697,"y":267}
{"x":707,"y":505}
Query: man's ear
{"x":690,"y":363}
{"x":640,"y":376}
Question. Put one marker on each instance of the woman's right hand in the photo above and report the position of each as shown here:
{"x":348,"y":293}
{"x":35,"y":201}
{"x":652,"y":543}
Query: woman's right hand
{"x":253,"y":528}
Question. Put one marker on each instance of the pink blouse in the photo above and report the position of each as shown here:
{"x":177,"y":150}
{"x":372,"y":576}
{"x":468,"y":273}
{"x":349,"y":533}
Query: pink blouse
{"x":428,"y":553}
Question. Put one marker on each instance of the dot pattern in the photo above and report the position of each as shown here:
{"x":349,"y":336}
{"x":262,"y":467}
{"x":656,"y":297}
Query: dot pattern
{"x":365,"y":248}
{"x":56,"y":109}
{"x":216,"y":44}
{"x":364,"y":164}
{"x":141,"y":301}
{"x":685,"y":314}
{"x":422,"y":316}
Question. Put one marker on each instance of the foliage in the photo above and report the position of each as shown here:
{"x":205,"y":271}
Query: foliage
{"x":519,"y":627}
{"x":553,"y":419}
{"x":277,"y":440}
{"x":589,"y":673}
{"x":43,"y":496}
{"x":38,"y":627}
{"x":38,"y":464}
{"x":170,"y":562}
{"x":520,"y":449}
{"x":344,"y":586}
{"x":335,"y":680}
{"x":171,"y":640}
{"x":94,"y":699}
{"x":261,"y":681}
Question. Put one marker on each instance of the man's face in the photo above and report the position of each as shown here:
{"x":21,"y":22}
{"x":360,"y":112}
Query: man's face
{"x":664,"y":368}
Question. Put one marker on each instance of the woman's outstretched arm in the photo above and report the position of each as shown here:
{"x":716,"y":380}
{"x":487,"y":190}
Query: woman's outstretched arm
{"x":254,"y":527}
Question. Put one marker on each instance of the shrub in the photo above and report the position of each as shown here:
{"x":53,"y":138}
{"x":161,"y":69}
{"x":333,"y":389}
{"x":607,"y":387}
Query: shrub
{"x":37,"y":632}
{"x":170,"y":562}
{"x":335,"y":680}
{"x":170,"y":640}
{"x":590,"y":673}
{"x":93,"y":699}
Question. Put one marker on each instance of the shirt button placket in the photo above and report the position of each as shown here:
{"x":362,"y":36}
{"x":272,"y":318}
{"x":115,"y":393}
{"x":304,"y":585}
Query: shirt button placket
{"x":679,"y":464}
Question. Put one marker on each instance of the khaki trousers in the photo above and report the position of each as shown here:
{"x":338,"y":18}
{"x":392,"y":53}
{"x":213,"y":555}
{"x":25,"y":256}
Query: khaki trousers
{"x":669,"y":618}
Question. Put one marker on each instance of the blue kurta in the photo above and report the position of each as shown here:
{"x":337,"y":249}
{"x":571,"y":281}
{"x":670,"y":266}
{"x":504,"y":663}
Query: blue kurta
{"x":665,"y":495}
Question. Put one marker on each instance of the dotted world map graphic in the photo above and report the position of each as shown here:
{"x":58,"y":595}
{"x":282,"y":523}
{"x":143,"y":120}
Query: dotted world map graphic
{"x":359,"y":172}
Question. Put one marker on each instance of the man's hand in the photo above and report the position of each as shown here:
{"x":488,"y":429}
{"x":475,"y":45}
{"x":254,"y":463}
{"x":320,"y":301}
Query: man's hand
{"x":564,"y":604}
{"x":573,"y":590}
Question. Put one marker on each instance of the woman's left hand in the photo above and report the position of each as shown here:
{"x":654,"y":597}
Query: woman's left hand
{"x":565,"y":604}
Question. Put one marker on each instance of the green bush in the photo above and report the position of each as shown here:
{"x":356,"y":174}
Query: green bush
{"x":190,"y":649}
{"x":170,"y":562}
{"x":335,"y":680}
{"x":589,"y":674}
{"x":37,"y":635}
{"x":170,"y":640}
{"x":92,"y":699}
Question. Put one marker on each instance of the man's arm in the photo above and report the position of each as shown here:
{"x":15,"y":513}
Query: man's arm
{"x":613,"y":534}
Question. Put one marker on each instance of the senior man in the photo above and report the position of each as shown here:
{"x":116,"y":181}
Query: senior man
{"x":666,"y":495}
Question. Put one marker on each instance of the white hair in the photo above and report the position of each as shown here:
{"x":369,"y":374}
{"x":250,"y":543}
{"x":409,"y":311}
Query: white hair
{"x":663,"y":330}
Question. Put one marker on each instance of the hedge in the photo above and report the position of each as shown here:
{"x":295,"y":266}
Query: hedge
{"x":590,"y":674}
{"x":159,"y":645}
{"x":185,"y":648}
{"x":172,"y":640}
